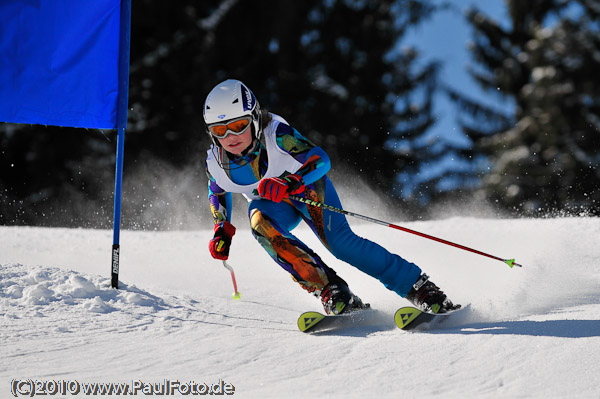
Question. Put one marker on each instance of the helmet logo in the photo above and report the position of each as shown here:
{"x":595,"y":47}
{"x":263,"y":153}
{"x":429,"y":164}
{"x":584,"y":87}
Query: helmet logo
{"x":248,"y":99}
{"x":221,"y":116}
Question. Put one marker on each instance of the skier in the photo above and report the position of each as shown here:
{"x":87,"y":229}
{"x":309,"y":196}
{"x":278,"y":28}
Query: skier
{"x":258,"y":154}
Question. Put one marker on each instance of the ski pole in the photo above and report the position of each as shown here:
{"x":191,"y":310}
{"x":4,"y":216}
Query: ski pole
{"x":509,"y":262}
{"x":236,"y":294}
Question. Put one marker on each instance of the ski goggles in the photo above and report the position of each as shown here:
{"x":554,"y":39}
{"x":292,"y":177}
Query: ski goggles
{"x":235,"y":126}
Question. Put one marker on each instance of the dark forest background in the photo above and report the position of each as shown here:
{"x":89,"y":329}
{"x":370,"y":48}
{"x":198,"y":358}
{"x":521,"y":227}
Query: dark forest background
{"x":339,"y":72}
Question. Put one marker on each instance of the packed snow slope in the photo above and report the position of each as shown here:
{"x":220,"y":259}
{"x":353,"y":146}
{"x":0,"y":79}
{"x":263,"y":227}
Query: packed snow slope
{"x":530,"y":332}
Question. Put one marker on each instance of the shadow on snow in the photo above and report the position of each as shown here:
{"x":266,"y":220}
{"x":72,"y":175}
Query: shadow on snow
{"x":548,"y":328}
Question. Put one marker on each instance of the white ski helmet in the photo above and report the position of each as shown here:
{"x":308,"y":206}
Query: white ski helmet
{"x":232,"y":99}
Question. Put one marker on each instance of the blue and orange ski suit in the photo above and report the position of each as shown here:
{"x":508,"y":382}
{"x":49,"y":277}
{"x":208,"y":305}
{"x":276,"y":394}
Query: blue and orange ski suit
{"x":272,"y":223}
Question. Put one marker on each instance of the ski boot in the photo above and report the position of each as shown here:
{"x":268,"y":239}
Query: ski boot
{"x":337,"y":298}
{"x":426,"y":296}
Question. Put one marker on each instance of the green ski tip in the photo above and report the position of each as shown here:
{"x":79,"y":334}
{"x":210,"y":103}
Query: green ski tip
{"x":511,"y":263}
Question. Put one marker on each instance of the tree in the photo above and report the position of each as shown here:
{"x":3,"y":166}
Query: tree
{"x":546,"y":155}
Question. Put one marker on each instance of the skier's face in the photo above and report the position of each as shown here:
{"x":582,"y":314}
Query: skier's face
{"x":237,"y":144}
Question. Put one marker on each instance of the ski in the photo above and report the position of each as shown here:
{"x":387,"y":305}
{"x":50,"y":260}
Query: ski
{"x":311,"y":322}
{"x":406,"y":318}
{"x":409,"y":318}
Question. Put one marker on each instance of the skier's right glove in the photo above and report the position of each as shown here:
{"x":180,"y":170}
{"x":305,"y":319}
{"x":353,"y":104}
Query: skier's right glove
{"x":219,"y":245}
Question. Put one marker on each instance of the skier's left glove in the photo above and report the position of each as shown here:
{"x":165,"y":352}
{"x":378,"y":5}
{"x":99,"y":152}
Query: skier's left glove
{"x":219,"y":245}
{"x":278,"y":188}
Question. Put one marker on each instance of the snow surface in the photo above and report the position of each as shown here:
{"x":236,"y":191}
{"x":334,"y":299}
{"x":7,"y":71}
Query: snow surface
{"x":530,"y":333}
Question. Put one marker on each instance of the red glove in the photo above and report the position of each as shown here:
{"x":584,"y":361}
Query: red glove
{"x":219,"y":245}
{"x":278,"y":188}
